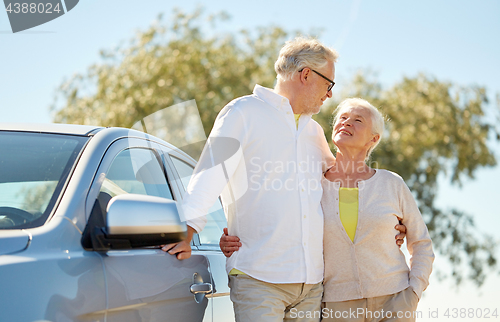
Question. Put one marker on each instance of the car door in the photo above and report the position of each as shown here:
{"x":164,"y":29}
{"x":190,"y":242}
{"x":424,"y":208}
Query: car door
{"x":207,"y":241}
{"x":145,"y":284}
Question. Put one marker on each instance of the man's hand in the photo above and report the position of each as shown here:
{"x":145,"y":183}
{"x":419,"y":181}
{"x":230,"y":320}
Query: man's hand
{"x":229,"y":244}
{"x":402,"y":233}
{"x":182,"y":249}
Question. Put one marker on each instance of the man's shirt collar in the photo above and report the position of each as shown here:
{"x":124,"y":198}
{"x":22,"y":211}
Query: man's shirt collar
{"x":270,"y":97}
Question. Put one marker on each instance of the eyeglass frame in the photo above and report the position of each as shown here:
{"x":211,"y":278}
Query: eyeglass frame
{"x":332,"y":83}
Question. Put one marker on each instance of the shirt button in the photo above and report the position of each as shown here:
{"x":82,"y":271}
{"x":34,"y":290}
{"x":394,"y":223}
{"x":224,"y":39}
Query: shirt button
{"x":305,"y":216}
{"x":303,"y":190}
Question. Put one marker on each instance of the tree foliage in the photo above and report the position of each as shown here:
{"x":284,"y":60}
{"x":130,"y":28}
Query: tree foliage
{"x":433,"y":127}
{"x":166,"y":65}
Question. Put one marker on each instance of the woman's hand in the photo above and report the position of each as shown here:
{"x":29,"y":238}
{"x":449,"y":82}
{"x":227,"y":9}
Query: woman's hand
{"x":229,"y":244}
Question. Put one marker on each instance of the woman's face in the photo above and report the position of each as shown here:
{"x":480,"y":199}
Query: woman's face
{"x":353,"y":129}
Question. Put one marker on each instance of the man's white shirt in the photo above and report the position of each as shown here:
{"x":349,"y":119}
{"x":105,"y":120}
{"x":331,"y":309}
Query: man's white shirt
{"x":268,"y":173}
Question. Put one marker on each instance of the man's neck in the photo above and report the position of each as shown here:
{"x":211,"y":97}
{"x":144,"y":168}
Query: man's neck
{"x":290,"y":94}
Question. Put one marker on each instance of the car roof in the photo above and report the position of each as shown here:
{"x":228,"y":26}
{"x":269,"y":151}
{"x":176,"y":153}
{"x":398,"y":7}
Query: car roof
{"x":86,"y":130}
{"x":72,"y":129}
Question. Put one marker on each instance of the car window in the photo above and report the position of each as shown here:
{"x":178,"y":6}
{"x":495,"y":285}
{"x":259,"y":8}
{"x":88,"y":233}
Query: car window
{"x":33,"y":170}
{"x":135,"y":171}
{"x":216,"y":219}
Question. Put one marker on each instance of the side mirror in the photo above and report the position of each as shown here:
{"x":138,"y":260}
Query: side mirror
{"x":134,"y":221}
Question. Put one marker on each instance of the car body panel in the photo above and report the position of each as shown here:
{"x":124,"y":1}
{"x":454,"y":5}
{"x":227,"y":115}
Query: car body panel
{"x":60,"y":281}
{"x":149,"y":285}
{"x":13,"y":241}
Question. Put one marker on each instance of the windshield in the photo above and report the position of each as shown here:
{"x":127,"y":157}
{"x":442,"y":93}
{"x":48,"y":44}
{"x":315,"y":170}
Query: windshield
{"x":33,"y":170}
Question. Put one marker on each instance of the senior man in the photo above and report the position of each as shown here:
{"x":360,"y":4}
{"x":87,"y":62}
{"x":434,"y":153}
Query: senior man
{"x":272,"y":196}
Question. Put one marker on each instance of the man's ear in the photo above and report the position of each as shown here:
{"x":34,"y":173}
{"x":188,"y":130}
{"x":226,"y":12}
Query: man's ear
{"x":304,"y":74}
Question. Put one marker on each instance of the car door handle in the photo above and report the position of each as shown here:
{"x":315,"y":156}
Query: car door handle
{"x":205,"y":288}
{"x":200,"y":289}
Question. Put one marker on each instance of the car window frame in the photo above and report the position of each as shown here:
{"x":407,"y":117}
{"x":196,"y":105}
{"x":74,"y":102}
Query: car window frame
{"x":109,"y":155}
{"x":176,"y":180}
{"x":187,"y":159}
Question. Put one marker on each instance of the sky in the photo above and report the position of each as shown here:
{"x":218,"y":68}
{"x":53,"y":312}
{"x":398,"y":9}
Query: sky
{"x":452,"y":40}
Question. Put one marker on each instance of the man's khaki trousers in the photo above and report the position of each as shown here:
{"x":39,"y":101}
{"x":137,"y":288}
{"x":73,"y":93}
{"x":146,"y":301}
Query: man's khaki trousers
{"x":258,"y":301}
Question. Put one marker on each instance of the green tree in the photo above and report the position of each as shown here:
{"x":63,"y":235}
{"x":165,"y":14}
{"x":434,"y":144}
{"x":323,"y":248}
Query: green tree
{"x":434,"y":126}
{"x":169,"y":64}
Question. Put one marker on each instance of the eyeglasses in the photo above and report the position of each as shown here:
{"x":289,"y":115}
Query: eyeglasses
{"x":332,"y":83}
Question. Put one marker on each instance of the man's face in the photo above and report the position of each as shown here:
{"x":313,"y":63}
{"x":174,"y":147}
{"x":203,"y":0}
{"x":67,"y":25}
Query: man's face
{"x":318,"y":91}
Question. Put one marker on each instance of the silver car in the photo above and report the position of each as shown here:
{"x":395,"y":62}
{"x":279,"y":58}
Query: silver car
{"x":83,"y":212}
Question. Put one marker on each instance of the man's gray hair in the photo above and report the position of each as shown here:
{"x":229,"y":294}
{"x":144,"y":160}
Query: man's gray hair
{"x":300,"y":53}
{"x":376,"y":117}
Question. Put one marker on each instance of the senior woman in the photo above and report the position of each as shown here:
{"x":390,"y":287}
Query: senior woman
{"x":365,"y":271}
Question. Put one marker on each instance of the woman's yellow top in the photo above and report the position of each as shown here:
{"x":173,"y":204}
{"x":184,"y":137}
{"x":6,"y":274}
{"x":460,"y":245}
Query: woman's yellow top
{"x":348,"y":210}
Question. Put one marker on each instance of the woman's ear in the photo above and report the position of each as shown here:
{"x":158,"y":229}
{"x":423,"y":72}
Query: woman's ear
{"x":373,"y":140}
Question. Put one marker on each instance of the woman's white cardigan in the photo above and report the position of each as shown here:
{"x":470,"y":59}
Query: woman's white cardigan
{"x":373,"y":265}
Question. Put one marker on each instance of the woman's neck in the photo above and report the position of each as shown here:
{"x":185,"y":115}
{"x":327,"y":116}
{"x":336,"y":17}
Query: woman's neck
{"x":351,"y":161}
{"x":349,"y":169}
